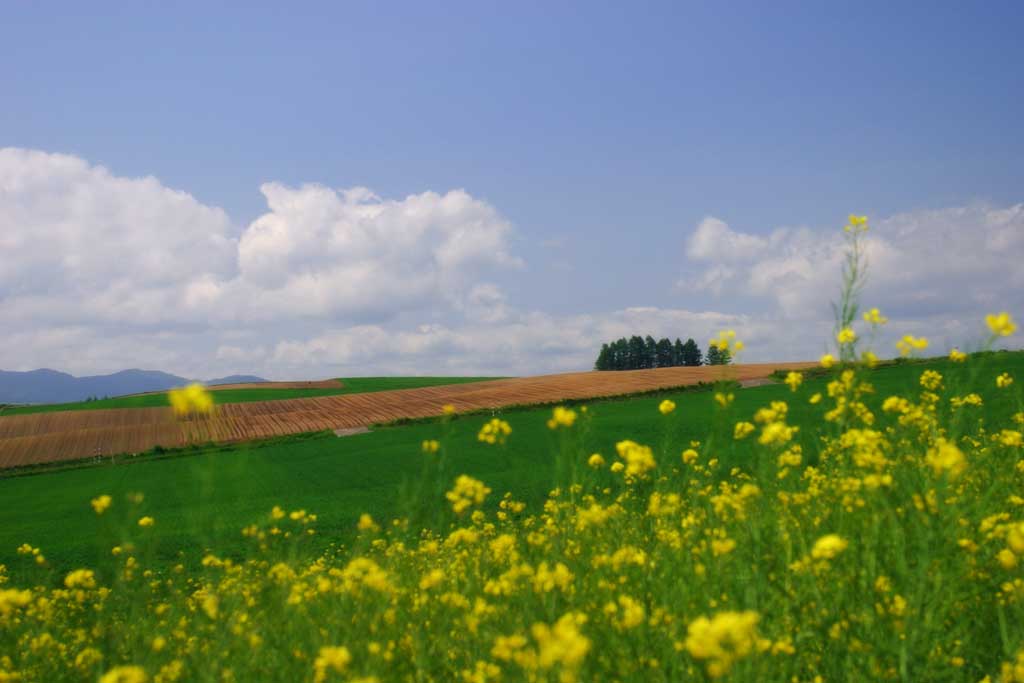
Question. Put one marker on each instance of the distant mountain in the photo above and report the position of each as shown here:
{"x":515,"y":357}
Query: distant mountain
{"x":50,"y":386}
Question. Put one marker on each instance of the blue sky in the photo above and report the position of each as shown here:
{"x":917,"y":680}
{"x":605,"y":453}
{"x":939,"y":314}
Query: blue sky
{"x":604,"y":134}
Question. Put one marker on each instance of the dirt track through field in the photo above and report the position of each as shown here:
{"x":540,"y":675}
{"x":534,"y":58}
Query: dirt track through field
{"x":58,"y":436}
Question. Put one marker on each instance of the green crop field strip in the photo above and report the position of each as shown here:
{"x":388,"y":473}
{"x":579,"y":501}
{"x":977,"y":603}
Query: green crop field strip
{"x":205,"y":497}
{"x":350,"y":385}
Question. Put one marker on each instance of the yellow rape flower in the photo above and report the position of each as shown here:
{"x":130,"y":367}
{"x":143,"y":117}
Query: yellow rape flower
{"x":193,"y":399}
{"x":494,"y":432}
{"x":1001,"y":324}
{"x":430,"y":446}
{"x":330,"y":659}
{"x":366,"y":523}
{"x":846,"y":336}
{"x":80,"y":578}
{"x":827,"y":361}
{"x":875,"y":317}
{"x":944,"y":458}
{"x":742,"y":430}
{"x":101,"y":503}
{"x":910,"y":343}
{"x":828,"y":546}
{"x":794,"y":379}
{"x":722,"y":639}
{"x":1004,"y":380}
{"x":957,"y":356}
{"x":466,"y":493}
{"x":562,"y":417}
{"x":638,"y":459}
{"x":596,"y":461}
{"x":561,"y":643}
{"x":666,"y":407}
{"x":146,"y":521}
{"x":125,"y":674}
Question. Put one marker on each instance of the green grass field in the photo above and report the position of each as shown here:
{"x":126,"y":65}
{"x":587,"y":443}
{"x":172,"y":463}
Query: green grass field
{"x":351,"y":385}
{"x":203,"y":499}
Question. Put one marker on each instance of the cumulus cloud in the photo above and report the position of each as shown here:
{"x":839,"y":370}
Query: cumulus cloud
{"x":80,"y":244}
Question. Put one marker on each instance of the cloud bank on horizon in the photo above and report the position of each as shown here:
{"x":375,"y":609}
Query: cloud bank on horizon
{"x":101,"y":272}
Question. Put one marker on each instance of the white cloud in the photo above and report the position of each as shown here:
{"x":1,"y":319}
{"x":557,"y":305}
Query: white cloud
{"x":525,"y":343}
{"x":939,"y":270}
{"x":100,"y":272}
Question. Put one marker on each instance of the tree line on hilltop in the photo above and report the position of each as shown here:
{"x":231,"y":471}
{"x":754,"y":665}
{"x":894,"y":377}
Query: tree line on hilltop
{"x":642,"y":353}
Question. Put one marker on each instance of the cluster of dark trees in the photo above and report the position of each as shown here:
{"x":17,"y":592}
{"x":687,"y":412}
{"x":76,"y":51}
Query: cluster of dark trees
{"x":640,"y":353}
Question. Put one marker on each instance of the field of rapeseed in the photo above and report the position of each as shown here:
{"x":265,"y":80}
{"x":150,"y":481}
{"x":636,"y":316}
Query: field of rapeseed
{"x":890,"y":546}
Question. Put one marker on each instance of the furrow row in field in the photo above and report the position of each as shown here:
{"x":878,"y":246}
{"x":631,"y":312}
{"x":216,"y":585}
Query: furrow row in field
{"x":50,"y":437}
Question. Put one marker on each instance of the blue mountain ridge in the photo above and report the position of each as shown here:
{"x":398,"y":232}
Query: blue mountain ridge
{"x":51,"y":386}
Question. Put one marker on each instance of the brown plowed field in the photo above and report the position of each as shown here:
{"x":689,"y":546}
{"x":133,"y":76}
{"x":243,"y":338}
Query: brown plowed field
{"x":52,"y":437}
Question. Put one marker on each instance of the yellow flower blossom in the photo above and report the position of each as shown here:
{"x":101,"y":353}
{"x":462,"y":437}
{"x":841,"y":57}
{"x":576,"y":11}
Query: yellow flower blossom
{"x":957,"y":356}
{"x":430,"y":446}
{"x":494,"y":432}
{"x":330,"y":659}
{"x":828,"y":546}
{"x":101,"y":503}
{"x":827,"y":361}
{"x":846,"y":336}
{"x":794,"y":379}
{"x":742,"y":430}
{"x":146,"y":521}
{"x":1001,"y":324}
{"x":562,"y":417}
{"x":125,"y":674}
{"x":80,"y":578}
{"x":1004,"y":380}
{"x":596,"y":461}
{"x":466,"y":493}
{"x":638,"y":459}
{"x":724,"y":400}
{"x":945,"y":458}
{"x":366,"y":523}
{"x":666,"y":407}
{"x":931,"y":380}
{"x":875,"y":317}
{"x":193,"y":399}
{"x":909,"y":343}
{"x":722,"y":640}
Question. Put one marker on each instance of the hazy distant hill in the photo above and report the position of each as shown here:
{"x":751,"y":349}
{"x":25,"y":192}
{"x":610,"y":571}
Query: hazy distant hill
{"x":50,"y":386}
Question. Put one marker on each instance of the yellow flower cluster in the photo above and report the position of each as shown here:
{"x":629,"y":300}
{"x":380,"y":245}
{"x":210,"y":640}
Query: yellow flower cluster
{"x":666,"y":407}
{"x":794,"y":379}
{"x":638,"y":459}
{"x":726,"y":341}
{"x":909,"y":343}
{"x":1001,"y":324}
{"x":101,"y":503}
{"x":723,"y":639}
{"x":857,"y":224}
{"x":192,"y":400}
{"x":466,"y":493}
{"x":562,"y":417}
{"x":496,"y":431}
{"x":875,"y":317}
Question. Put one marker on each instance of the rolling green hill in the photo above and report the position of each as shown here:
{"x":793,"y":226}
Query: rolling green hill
{"x":350,"y":385}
